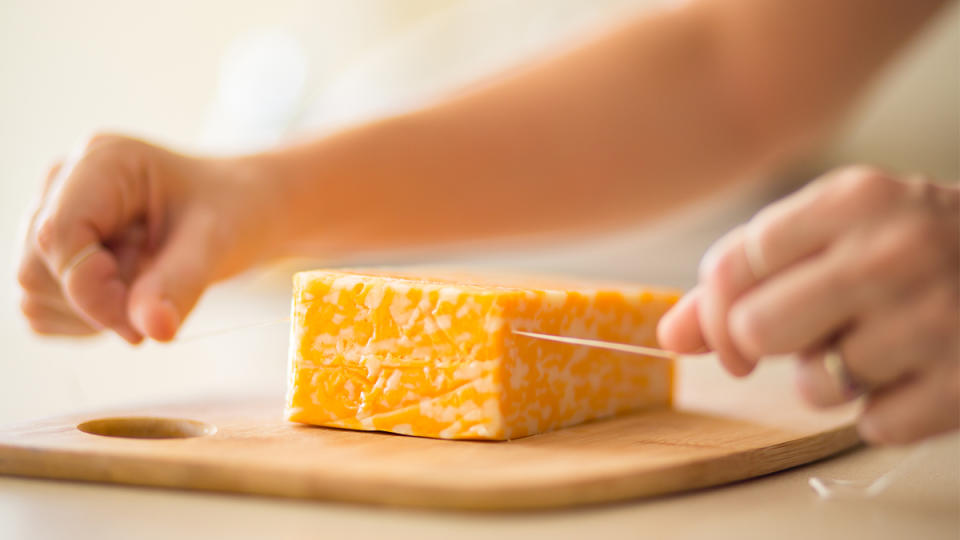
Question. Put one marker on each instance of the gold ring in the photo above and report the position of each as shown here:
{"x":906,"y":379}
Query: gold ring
{"x":81,"y":256}
{"x":836,"y":368}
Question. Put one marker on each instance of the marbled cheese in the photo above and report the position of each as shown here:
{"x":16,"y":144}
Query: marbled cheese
{"x":436,"y":356}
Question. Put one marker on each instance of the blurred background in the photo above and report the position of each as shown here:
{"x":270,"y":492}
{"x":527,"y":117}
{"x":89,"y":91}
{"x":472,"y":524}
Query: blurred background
{"x":232,"y":76}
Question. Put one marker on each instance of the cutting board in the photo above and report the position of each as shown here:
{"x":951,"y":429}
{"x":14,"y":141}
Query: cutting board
{"x":721,"y":430}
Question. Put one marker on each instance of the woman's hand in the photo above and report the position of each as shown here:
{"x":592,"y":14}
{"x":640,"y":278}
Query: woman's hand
{"x":859,"y":274}
{"x":127,"y":236}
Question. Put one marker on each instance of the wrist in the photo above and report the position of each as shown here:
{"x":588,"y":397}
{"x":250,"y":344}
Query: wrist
{"x":248,"y":206}
{"x":284,"y":201}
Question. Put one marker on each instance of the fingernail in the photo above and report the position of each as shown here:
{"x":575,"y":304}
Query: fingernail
{"x":734,"y":365}
{"x":129,"y":334}
{"x":157,"y":319}
{"x":167,"y":322}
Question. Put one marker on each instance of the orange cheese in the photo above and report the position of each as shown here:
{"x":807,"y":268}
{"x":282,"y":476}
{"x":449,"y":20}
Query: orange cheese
{"x":436,"y":356}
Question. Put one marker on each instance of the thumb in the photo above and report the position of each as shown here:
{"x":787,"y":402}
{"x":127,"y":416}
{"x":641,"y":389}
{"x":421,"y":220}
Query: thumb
{"x":163,"y":295}
{"x":679,"y":329}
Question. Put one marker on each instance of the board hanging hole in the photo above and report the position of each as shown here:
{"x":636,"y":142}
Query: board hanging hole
{"x":146,"y":427}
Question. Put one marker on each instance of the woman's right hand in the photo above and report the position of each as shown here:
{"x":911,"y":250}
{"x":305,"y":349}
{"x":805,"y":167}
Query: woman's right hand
{"x":858,"y":275}
{"x":127,"y":235}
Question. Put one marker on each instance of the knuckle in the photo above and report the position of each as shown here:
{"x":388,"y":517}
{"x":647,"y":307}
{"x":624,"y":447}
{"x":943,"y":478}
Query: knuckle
{"x":864,"y":170}
{"x":865,"y":178}
{"x":112,"y":155}
{"x":47,"y":233}
{"x":923,"y":189}
{"x":29,"y":279}
{"x":932,"y":196}
{"x":867,"y":187}
{"x":720,"y":251}
{"x":109,"y":146}
{"x":761,"y":221}
{"x":31,"y":308}
{"x":719,"y":273}
{"x":101,"y":139}
{"x":902,"y":247}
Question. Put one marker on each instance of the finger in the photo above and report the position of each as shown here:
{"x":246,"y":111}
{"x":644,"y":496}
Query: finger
{"x":789,"y":230}
{"x":804,"y":223}
{"x":131,"y":251}
{"x":862,"y":272}
{"x":679,"y":329}
{"x":48,"y":318}
{"x":58,"y":303}
{"x":92,"y":201}
{"x":42,"y":291}
{"x":725,"y":275}
{"x":897,"y":342}
{"x":780,"y":236}
{"x":164,"y":294}
{"x":798,"y":310}
{"x":921,"y":407}
{"x":822,"y":387}
{"x":34,"y":277}
{"x":55,"y":327}
{"x":94,"y":290}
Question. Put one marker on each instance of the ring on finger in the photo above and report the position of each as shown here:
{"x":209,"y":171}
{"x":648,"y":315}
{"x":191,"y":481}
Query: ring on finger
{"x":80,"y":256}
{"x":836,"y":368}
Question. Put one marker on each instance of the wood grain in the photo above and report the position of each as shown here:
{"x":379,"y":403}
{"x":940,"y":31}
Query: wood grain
{"x":721,"y":431}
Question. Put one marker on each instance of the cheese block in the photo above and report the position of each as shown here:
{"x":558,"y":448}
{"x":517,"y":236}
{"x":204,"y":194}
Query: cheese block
{"x":433,"y":354}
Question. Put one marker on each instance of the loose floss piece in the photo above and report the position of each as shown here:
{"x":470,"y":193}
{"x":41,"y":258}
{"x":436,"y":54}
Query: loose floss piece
{"x":836,"y":488}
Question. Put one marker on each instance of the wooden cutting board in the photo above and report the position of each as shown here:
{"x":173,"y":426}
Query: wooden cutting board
{"x":721,"y":431}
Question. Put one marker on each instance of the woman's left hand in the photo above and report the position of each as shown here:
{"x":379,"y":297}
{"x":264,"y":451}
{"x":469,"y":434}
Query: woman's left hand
{"x":859,"y":275}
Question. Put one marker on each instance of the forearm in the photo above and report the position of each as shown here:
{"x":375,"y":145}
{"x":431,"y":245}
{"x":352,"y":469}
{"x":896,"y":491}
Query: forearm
{"x":592,"y":137}
{"x":646,"y":117}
